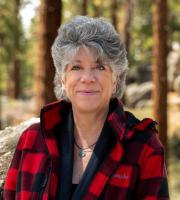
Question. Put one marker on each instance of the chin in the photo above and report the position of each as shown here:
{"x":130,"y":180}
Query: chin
{"x":86,"y":107}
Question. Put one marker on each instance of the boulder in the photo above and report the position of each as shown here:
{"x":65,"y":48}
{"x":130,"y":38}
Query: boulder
{"x":176,"y":85}
{"x":174,"y":68}
{"x":8,"y":140}
{"x":138,"y":95}
{"x":140,"y":74}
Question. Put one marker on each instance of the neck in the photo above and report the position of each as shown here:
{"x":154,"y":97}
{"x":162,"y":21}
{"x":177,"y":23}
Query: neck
{"x":88,"y":127}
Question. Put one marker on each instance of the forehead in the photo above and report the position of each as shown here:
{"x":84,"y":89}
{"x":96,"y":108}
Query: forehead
{"x":84,"y":53}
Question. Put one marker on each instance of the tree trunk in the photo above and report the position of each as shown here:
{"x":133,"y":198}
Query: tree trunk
{"x":16,"y":78}
{"x":126,"y":36}
{"x":14,"y":88}
{"x":160,"y":66}
{"x":84,"y":7}
{"x":114,"y":7}
{"x":97,"y":8}
{"x":50,"y":20}
{"x":0,"y":106}
{"x":128,"y":10}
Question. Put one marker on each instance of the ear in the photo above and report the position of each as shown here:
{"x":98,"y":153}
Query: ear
{"x":63,"y":83}
{"x":115,"y":80}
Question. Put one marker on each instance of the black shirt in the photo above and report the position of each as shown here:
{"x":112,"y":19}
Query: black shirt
{"x":64,"y":134}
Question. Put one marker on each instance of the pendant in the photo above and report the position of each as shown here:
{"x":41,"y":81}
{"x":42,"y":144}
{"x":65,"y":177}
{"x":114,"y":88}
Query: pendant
{"x":82,"y":153}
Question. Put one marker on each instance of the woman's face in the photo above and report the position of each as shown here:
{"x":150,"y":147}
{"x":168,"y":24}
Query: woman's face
{"x":88,"y":84}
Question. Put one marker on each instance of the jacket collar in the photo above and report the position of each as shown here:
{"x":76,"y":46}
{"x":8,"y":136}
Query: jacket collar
{"x":124,"y":124}
{"x":52,"y":114}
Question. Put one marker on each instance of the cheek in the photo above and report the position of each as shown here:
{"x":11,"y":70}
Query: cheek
{"x":111,"y":83}
{"x":70,"y":84}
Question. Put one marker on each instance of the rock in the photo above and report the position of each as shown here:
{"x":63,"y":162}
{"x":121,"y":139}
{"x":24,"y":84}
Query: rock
{"x":176,"y":85}
{"x":140,"y":74}
{"x":145,"y":73}
{"x":138,"y":95}
{"x":8,"y":140}
{"x":144,"y":103}
{"x":173,"y":62}
{"x":10,"y":116}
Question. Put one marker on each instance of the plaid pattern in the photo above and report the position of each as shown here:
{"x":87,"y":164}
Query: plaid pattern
{"x":133,"y":169}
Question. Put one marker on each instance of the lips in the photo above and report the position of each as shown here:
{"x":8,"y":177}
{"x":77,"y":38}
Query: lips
{"x":87,"y":92}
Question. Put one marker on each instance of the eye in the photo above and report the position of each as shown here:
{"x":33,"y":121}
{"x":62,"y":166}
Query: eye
{"x":76,"y":67}
{"x":100,"y":67}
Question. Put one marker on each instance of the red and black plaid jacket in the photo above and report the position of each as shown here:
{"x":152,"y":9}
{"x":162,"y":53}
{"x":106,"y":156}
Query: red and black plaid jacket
{"x":133,"y":169}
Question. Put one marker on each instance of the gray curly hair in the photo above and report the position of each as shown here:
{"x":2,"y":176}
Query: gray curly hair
{"x":95,"y":33}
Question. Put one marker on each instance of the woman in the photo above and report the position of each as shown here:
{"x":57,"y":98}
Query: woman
{"x":86,"y":146}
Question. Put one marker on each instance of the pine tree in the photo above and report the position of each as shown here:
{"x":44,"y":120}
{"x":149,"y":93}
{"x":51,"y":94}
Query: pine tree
{"x":128,"y":10}
{"x":114,"y":7}
{"x":84,"y":7}
{"x":50,"y":20}
{"x":160,"y":51}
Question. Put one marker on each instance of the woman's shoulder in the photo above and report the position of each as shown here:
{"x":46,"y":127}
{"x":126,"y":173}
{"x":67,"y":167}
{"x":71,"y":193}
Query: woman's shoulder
{"x":30,"y":137}
{"x":31,"y":129}
{"x":144,"y":131}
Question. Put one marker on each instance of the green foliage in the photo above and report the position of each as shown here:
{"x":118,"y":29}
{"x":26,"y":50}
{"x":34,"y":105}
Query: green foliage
{"x":174,"y":20}
{"x":30,"y":58}
{"x":141,"y":33}
{"x":12,"y":40}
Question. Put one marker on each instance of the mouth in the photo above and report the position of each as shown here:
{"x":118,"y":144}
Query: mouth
{"x":88,"y":92}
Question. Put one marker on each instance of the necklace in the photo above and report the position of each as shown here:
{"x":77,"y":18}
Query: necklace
{"x":83,"y":151}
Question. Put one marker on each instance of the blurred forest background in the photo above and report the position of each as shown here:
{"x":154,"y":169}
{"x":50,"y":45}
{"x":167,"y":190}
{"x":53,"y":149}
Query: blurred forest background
{"x":150,"y":31}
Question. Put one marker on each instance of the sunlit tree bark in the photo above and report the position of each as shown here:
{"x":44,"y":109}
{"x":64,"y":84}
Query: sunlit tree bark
{"x":160,"y":66}
{"x":128,"y":11}
{"x":50,"y":19}
{"x":84,"y":7}
{"x":97,"y":8}
{"x":114,"y":7}
{"x":0,"y":109}
{"x":14,"y":86}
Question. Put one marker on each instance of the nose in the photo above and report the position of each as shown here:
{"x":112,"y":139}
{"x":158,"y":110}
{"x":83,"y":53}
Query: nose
{"x":88,"y":76}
